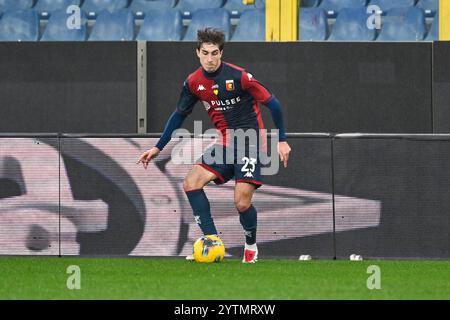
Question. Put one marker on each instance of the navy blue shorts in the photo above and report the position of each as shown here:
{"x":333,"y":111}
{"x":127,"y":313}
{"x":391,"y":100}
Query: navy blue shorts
{"x":243,"y":165}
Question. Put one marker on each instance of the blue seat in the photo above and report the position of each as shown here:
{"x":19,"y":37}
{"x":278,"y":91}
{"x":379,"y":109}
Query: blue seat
{"x":430,"y":7}
{"x":433,"y":34}
{"x":403,"y":24}
{"x":236,"y":7}
{"x":351,"y":25}
{"x":57,"y":29}
{"x":161,"y":25}
{"x":386,"y":5}
{"x":332,"y":7}
{"x":139,"y":7}
{"x":309,"y":3}
{"x":252,"y":26}
{"x":260,"y":4}
{"x":214,"y":18}
{"x":22,"y":25}
{"x":188,"y":7}
{"x":113,"y":26}
{"x":312,"y":25}
{"x":93,"y":7}
{"x":46,"y":7}
{"x":15,"y":5}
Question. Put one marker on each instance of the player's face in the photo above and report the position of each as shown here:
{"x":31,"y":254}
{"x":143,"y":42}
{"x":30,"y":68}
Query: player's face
{"x":209,"y":55}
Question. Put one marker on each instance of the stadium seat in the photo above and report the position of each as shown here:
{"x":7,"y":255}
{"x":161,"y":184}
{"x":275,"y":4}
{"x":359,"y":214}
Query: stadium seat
{"x":236,"y":7}
{"x":161,"y":25}
{"x":22,"y":25}
{"x":252,"y":26}
{"x":113,"y":26}
{"x":260,"y":4}
{"x":313,"y":24}
{"x":139,"y":7}
{"x":351,"y":25}
{"x":57,"y":30}
{"x":46,"y":7}
{"x":403,"y":24}
{"x":430,"y":7}
{"x":94,"y":7}
{"x":386,"y":5}
{"x":188,"y":7}
{"x":215,"y":18}
{"x":433,"y":34}
{"x":15,"y":5}
{"x":332,"y":7}
{"x":309,"y":3}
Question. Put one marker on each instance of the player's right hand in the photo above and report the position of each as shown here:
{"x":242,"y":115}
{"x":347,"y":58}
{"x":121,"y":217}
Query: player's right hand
{"x":147,"y":156}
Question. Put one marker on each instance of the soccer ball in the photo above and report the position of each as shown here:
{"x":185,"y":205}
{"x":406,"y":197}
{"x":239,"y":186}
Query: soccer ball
{"x":209,"y":249}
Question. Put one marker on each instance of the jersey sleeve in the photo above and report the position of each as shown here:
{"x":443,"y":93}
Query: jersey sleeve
{"x":187,"y":100}
{"x":255,"y":88}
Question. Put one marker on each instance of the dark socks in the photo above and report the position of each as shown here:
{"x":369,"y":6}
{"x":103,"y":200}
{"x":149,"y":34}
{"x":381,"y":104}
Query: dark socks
{"x":248,"y":221}
{"x":202,"y":211}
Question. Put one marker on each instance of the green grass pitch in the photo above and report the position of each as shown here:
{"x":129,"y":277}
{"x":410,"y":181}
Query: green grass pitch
{"x":172,"y":278}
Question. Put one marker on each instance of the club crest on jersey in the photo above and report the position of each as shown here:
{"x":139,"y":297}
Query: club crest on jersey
{"x":229,"y":84}
{"x":215,"y":89}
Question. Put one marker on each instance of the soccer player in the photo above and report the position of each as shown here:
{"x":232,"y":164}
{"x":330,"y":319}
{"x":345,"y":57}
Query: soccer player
{"x":231,"y":97}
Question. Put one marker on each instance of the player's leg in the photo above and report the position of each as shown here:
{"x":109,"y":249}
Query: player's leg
{"x":247,"y":171}
{"x":193,"y":185}
{"x":243,"y":194}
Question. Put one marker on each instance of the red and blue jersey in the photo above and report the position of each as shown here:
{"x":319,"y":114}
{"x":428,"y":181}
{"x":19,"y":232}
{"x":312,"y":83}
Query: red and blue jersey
{"x":230,"y":95}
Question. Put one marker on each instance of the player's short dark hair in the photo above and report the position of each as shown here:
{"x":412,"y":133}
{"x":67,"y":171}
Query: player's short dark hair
{"x":210,"y":35}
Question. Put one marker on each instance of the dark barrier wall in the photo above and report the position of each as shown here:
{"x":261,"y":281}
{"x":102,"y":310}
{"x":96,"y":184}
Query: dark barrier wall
{"x":324,"y":87}
{"x":68,"y":87}
{"x":409,"y":179}
{"x":165,"y":79}
{"x":441,"y":87}
{"x":309,"y":172}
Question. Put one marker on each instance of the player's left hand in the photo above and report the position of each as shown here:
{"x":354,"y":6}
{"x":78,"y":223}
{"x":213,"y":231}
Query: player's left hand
{"x":283,"y":150}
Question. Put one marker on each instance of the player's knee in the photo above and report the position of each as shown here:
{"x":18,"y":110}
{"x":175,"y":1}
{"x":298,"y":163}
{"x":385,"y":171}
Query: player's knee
{"x":242,"y":204}
{"x":190,"y":184}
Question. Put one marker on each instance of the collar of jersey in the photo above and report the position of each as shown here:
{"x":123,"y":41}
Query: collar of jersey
{"x":211,"y":75}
